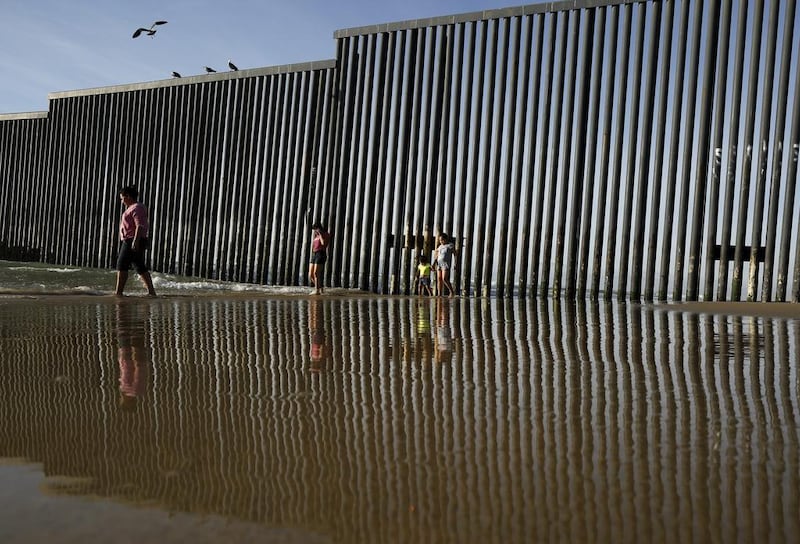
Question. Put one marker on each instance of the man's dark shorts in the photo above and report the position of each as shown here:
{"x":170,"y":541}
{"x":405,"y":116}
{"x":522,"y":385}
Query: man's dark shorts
{"x":319,"y":257}
{"x":128,"y":257}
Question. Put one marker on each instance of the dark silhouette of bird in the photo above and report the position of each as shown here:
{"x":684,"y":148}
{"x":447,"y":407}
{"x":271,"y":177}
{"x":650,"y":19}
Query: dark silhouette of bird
{"x":175,"y":74}
{"x":149,"y":31}
{"x":210,"y":70}
{"x":232,"y":66}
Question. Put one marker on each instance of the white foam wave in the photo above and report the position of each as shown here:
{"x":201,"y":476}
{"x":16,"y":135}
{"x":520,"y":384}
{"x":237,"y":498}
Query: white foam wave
{"x":169,"y":284}
{"x":40,"y":269}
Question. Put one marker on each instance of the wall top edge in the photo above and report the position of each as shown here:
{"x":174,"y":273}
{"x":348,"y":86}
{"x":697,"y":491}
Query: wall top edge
{"x":23,"y":115}
{"x":203,"y":78}
{"x":529,"y":9}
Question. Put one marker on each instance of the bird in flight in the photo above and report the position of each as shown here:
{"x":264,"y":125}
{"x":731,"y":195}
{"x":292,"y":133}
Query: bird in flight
{"x":210,"y":70}
{"x":175,"y":74}
{"x":149,"y":31}
{"x":232,"y":66}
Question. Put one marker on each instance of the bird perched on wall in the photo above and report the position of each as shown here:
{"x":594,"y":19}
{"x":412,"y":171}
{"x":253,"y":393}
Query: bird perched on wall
{"x":175,"y":74}
{"x":149,"y":31}
{"x":210,"y":70}
{"x":232,"y":66}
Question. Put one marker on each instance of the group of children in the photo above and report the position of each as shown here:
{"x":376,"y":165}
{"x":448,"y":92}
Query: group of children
{"x":442,"y":263}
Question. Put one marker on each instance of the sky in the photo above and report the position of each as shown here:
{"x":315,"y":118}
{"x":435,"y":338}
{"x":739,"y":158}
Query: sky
{"x":51,"y":46}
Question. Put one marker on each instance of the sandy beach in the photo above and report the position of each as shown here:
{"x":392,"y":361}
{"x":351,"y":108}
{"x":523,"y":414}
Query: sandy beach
{"x":227,"y":410}
{"x":761,"y":309}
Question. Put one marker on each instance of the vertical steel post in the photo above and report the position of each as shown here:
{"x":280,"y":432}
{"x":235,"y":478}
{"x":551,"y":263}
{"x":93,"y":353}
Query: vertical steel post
{"x":527,"y":179}
{"x":276,"y":224}
{"x":778,"y":149}
{"x":492,"y":178}
{"x":635,"y":175}
{"x":407,"y":72}
{"x":658,"y":151}
{"x":604,"y":132}
{"x":767,"y":80}
{"x":581,"y":214}
{"x":391,"y":225}
{"x":732,"y":152}
{"x":687,"y":155}
{"x":749,"y":137}
{"x":615,"y":174}
{"x":789,"y":211}
{"x":483,"y":182}
{"x":508,"y":266}
{"x":712,"y":54}
{"x":441,"y":209}
{"x":471,"y":181}
{"x":551,"y":181}
{"x":510,"y":70}
{"x":416,"y":66}
{"x":437,"y":140}
{"x":672,"y":159}
{"x":377,"y":168}
{"x":304,"y":156}
{"x":363,"y":223}
{"x":543,"y":145}
{"x":464,"y":122}
{"x":643,"y":172}
{"x":570,"y":182}
{"x":449,"y":214}
{"x":715,"y":155}
{"x":348,"y":212}
{"x":420,"y":195}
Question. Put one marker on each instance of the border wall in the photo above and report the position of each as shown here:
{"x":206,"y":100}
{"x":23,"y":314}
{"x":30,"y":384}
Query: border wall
{"x":638,"y":149}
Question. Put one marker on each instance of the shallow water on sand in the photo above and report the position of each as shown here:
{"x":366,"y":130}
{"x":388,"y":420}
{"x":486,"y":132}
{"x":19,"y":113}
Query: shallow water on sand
{"x":393,"y":419}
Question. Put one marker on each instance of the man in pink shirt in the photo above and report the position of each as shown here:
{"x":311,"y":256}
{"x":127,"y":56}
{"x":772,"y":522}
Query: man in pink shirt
{"x":134,"y":240}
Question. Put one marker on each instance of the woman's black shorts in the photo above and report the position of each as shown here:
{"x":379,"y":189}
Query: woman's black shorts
{"x":128,"y":257}
{"x":319,"y":257}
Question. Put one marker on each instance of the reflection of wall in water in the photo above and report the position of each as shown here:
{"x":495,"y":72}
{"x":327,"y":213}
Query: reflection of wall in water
{"x":551,"y":140}
{"x":634,"y":414}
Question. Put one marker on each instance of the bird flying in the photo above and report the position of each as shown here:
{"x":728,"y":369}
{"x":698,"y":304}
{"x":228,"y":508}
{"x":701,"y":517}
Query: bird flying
{"x":209,"y":70}
{"x":149,"y":31}
{"x":232,"y":66}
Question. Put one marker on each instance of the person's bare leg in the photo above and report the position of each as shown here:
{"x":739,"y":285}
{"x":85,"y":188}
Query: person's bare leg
{"x":147,"y":280}
{"x":122,"y":278}
{"x":320,"y":274}
{"x":312,"y":275}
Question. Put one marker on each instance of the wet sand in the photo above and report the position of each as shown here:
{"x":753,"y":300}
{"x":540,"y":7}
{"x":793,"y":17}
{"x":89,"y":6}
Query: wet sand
{"x":342,"y":418}
{"x":760,"y":309}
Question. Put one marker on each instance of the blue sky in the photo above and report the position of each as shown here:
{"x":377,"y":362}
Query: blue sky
{"x":55,"y":45}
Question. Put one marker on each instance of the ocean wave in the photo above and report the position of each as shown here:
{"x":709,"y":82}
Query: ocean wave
{"x":40,"y":279}
{"x":167,"y":283}
{"x":41,"y":269}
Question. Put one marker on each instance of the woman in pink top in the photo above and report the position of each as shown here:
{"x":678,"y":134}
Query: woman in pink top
{"x":319,"y":254}
{"x":134,"y":240}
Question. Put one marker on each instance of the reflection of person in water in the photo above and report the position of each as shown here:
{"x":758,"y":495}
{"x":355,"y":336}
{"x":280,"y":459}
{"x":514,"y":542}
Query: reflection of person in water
{"x":316,"y":327}
{"x":133,"y":355}
{"x":444,"y":339}
{"x":424,"y":341}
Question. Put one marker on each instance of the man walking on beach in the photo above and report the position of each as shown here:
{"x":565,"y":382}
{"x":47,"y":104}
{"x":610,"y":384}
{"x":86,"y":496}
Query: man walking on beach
{"x":134,"y":239}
